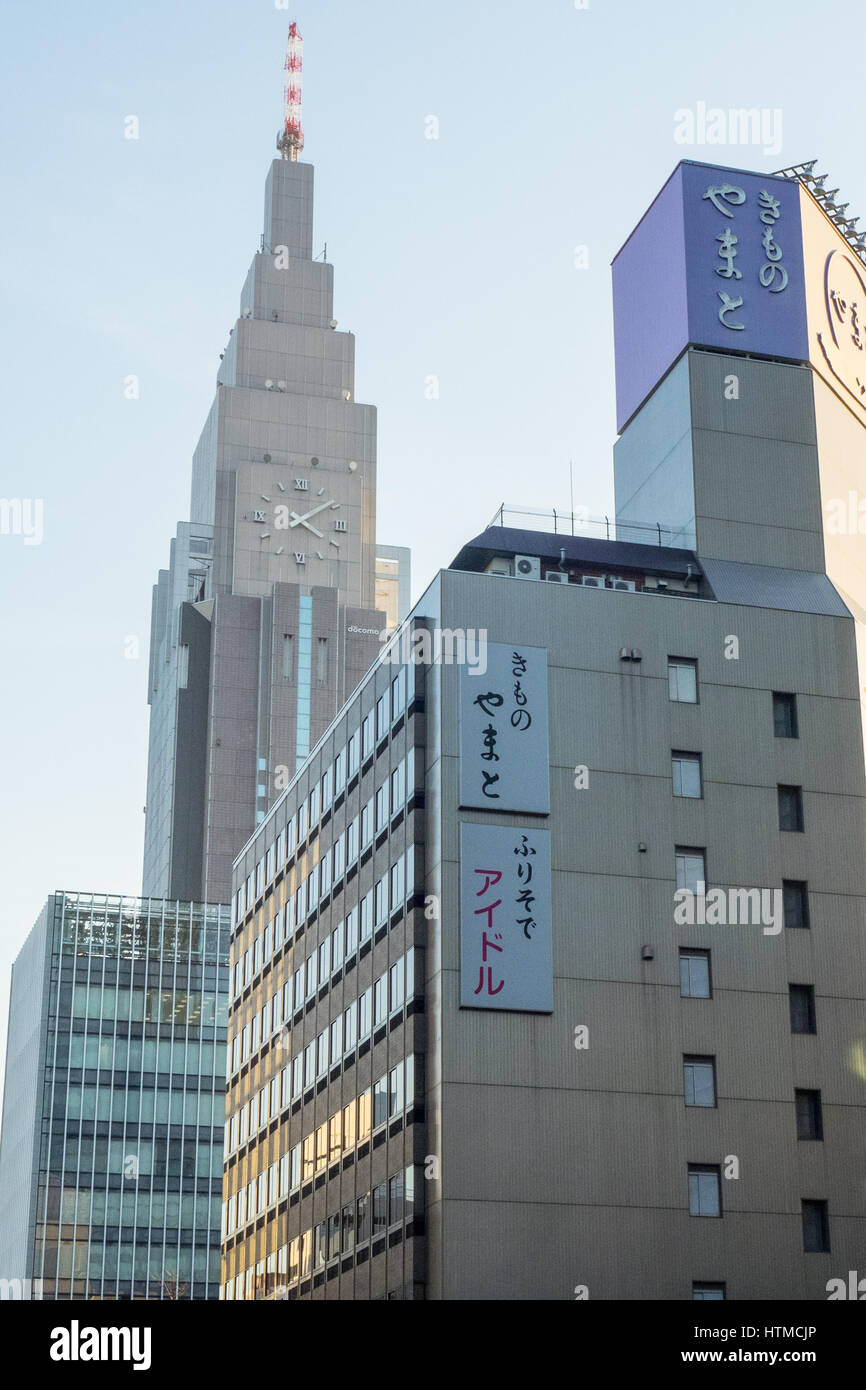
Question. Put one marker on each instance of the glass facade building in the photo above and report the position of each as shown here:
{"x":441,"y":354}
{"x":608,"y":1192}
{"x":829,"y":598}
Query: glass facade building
{"x":112,"y":1139}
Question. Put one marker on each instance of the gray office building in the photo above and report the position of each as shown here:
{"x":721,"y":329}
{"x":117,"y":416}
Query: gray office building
{"x":112,"y":1138}
{"x":547,"y":968}
{"x":269,"y":612}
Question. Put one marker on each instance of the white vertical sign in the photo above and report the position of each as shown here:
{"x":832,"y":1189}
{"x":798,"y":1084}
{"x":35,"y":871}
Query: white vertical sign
{"x":504,"y":743}
{"x":506,"y":918}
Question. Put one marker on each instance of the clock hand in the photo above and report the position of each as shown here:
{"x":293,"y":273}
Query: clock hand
{"x":295,"y":520}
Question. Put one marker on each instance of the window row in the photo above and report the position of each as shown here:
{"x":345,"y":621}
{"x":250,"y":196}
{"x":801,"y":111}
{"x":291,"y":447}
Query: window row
{"x":690,"y":863}
{"x":393,"y":988}
{"x":182,"y":1008}
{"x":388,"y":1098}
{"x":141,"y":1105}
{"x":389,"y":893}
{"x":362,"y":743}
{"x":362,"y":1220}
{"x":683,"y":688}
{"x":705,"y":1199}
{"x":182,"y":1057}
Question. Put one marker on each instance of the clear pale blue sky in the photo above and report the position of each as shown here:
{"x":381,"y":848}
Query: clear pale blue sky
{"x":453,"y":257}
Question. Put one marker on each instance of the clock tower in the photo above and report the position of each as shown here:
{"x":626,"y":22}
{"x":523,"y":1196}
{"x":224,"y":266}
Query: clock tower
{"x":266,"y":618}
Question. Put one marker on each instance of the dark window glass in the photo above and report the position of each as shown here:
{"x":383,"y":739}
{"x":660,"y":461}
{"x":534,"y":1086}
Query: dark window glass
{"x":795,"y":897}
{"x":784,"y":715}
{"x":380,"y":1209}
{"x":802,"y":999}
{"x":703,"y":1292}
{"x":790,"y":808}
{"x":816,"y":1226}
{"x":810,"y":1122}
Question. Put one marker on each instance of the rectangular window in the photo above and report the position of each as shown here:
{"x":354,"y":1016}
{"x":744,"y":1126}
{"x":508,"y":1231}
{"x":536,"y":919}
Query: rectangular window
{"x":269,"y":941}
{"x":380,"y":1101}
{"x":686,"y":768}
{"x":380,"y":1209}
{"x":382,"y":808}
{"x":795,"y":897}
{"x":790,"y":808}
{"x":699,"y":1081}
{"x":364,"y":1022}
{"x":322,"y":661}
{"x":810,"y":1122}
{"x":398,"y":694}
{"x":382,"y":901}
{"x":352,"y":842}
{"x":354,"y":753}
{"x":347,"y":1236}
{"x":398,"y":887}
{"x":335,"y":1143}
{"x":309,"y":1163}
{"x":395,"y":1091}
{"x":325,"y":874}
{"x":702,"y":1292}
{"x":395,"y":1199}
{"x":683,"y":680}
{"x":327,"y":788}
{"x":705,"y":1196}
{"x":337,"y":947}
{"x":295,"y":1174}
{"x":802,"y":1002}
{"x":398,"y":786}
{"x":288,"y":656}
{"x":366,"y":823}
{"x":299,"y":977}
{"x":351,"y":933}
{"x":297,"y":1075}
{"x":380,"y":1001}
{"x":816,"y":1227}
{"x":691,"y":868}
{"x":349,"y":1115}
{"x":367,"y":916}
{"x":368,"y":739}
{"x":337,"y":1039}
{"x":278,"y":930}
{"x":312,"y":974}
{"x":382,"y":719}
{"x":339,"y":772}
{"x":309,"y":1064}
{"x":302,"y":822}
{"x":695,"y":974}
{"x":396,"y":984}
{"x":784,"y":715}
{"x":339,"y":857}
{"x":322,"y":1053}
{"x":350,"y":1027}
{"x":325,"y":960}
{"x":365,"y":1113}
{"x":364,"y":1222}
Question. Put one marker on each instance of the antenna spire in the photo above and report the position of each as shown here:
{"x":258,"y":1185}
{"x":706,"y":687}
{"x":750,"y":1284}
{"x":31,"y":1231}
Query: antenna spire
{"x":290,"y":140}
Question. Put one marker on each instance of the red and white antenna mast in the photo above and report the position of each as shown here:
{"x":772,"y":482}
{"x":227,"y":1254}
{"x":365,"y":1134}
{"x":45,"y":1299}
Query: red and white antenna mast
{"x":290,"y":140}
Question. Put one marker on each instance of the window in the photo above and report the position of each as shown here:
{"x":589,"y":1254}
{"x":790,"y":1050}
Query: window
{"x":683,"y":680}
{"x":367,"y":916}
{"x":784,"y":715}
{"x":322,"y":661}
{"x":695,"y":974}
{"x":327,"y":788}
{"x":309,"y":1064}
{"x":348,"y":1231}
{"x":380,"y":1000}
{"x":337,"y":947}
{"x":382,"y":808}
{"x":350,"y":1026}
{"x":325,"y":873}
{"x":398,"y":887}
{"x":363,"y":1223}
{"x":691,"y":869}
{"x":395,"y":1199}
{"x":349,"y":1116}
{"x":352,"y":842}
{"x":705,"y":1195}
{"x":802,"y":1001}
{"x":312,"y":974}
{"x":398,"y":786}
{"x":810,"y":1122}
{"x":325,"y":960}
{"x":288,"y":656}
{"x":396,"y":986}
{"x":352,"y":933}
{"x":686,"y":769}
{"x":367,"y":736}
{"x":790,"y":808}
{"x":382,"y":901}
{"x":380,"y":1209}
{"x":380,"y":1101}
{"x":367,"y":823}
{"x":337,"y":1039}
{"x":339,"y":772}
{"x":322,"y":1052}
{"x":364,"y":1014}
{"x":395,"y":1091}
{"x":354,"y":752}
{"x":382,"y":716}
{"x":398,"y":693}
{"x":339,"y":857}
{"x":699,"y":1081}
{"x":706,"y":1293}
{"x":816,"y":1227}
{"x":795,"y":897}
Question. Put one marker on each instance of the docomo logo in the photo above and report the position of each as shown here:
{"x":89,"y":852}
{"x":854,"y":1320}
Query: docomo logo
{"x":733,"y":907}
{"x":444,"y":646}
{"x":365,"y":631}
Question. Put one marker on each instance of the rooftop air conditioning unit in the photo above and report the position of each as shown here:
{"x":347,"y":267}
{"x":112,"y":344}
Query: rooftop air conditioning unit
{"x":556,"y":577}
{"x":527,"y":567}
{"x":500,"y":564}
{"x":624,"y":585}
{"x":593,"y":581}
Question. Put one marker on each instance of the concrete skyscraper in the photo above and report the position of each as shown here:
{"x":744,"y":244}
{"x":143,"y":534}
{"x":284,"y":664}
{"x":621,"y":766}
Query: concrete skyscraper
{"x":547,"y":968}
{"x":266,"y":617}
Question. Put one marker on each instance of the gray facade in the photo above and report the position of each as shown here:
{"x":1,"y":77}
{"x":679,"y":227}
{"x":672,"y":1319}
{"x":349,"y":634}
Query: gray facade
{"x":570,"y":1153}
{"x":249,"y":666}
{"x":113,"y":1110}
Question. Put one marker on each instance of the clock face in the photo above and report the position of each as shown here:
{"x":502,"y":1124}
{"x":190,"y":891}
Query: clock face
{"x":300,"y":522}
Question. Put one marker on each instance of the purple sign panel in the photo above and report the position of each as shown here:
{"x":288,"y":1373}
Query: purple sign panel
{"x":717,"y":261}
